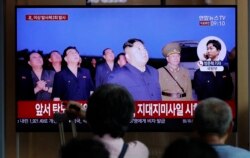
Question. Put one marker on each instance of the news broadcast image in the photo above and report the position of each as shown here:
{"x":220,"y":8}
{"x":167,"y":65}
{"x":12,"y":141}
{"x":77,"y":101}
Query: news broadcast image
{"x":92,"y":29}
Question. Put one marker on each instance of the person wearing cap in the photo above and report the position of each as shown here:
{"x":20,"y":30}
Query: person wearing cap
{"x":140,"y":79}
{"x":174,"y":80}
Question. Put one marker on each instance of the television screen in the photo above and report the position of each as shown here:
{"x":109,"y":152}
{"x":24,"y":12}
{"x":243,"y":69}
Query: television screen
{"x":200,"y":39}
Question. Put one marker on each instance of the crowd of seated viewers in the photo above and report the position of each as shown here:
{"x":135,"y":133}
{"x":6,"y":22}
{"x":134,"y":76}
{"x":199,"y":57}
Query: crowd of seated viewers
{"x":110,"y":110}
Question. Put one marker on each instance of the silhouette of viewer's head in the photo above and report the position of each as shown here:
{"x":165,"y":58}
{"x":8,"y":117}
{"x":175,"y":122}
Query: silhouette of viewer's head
{"x":110,"y":110}
{"x":213,"y":116}
{"x":87,"y":148}
{"x":189,"y":148}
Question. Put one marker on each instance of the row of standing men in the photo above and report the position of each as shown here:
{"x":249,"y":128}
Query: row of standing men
{"x":171,"y":82}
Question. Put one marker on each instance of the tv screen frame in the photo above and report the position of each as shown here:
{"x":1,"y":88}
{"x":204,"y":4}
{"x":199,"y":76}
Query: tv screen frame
{"x":47,"y":28}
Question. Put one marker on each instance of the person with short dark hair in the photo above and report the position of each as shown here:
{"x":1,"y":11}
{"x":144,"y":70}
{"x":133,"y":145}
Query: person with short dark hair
{"x":104,"y":69}
{"x":110,"y":110}
{"x":213,"y":121}
{"x":140,"y":79}
{"x":42,"y":79}
{"x":213,"y":50}
{"x":121,"y":59}
{"x":73,"y":82}
{"x":83,"y":148}
{"x":55,"y":59}
{"x":217,"y":84}
{"x":25,"y":88}
{"x":189,"y":148}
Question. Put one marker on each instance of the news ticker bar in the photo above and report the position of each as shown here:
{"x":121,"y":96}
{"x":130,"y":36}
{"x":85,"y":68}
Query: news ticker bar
{"x":143,"y":109}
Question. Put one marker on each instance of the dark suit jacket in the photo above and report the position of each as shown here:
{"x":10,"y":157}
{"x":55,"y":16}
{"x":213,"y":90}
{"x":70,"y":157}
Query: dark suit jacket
{"x":206,"y":84}
{"x":102,"y":72}
{"x":69,"y":87}
{"x":25,"y":88}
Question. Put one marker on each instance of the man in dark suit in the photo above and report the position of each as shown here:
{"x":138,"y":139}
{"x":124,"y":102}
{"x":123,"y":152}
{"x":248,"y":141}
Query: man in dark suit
{"x":140,"y":79}
{"x":213,"y":83}
{"x":104,"y":69}
{"x":72,"y":83}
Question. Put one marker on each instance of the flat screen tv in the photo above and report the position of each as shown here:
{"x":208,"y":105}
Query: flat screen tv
{"x":92,"y":29}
